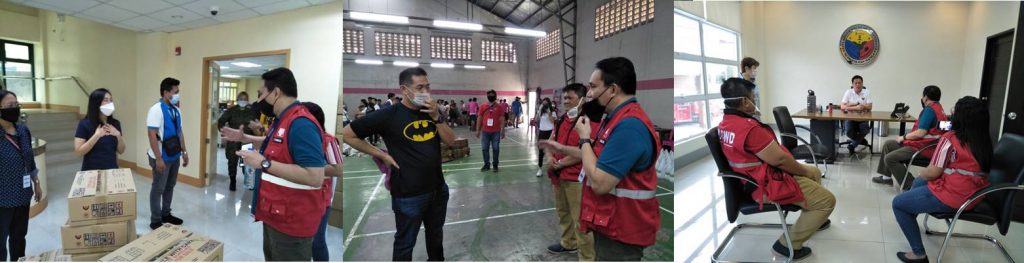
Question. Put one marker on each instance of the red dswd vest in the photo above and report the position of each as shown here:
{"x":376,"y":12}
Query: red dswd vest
{"x":288,"y":207}
{"x":933,"y":134}
{"x":566,"y":135}
{"x":733,"y":133}
{"x":961,"y":176}
{"x":630,"y":212}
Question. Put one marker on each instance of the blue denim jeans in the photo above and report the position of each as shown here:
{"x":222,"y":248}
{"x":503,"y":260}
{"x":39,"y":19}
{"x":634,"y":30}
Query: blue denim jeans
{"x":918,"y":200}
{"x":490,"y":140}
{"x":320,"y":253}
{"x":428,"y":210}
{"x":856,"y":131}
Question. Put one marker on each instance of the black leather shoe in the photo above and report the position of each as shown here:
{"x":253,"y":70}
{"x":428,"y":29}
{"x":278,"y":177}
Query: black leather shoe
{"x":798,"y":254}
{"x":903,"y":257}
{"x":486,"y":167}
{"x":170,"y":219}
{"x":155,"y":225}
{"x":495,"y":168}
{"x":881,"y":180}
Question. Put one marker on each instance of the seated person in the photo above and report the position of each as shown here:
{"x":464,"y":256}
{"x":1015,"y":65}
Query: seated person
{"x":857,"y":98}
{"x":896,"y":154}
{"x":957,"y":170}
{"x":752,"y":150}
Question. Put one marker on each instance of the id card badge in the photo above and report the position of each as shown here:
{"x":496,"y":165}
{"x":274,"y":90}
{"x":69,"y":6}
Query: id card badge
{"x":26,"y":182}
{"x":583,"y":174}
{"x":490,"y":122}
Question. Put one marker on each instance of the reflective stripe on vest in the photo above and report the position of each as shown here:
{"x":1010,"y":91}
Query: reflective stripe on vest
{"x":962,"y":171}
{"x":745,"y":165}
{"x":632,"y":194}
{"x":932,"y":136}
{"x":285,"y":183}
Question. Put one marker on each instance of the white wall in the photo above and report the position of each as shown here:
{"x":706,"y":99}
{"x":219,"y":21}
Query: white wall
{"x":363,"y":81}
{"x":648,"y":46}
{"x":984,"y":19}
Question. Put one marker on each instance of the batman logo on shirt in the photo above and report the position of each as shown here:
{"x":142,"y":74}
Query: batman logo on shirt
{"x":418,"y":131}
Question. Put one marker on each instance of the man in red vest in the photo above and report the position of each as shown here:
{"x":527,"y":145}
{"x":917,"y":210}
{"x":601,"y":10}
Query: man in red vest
{"x":897,"y":153}
{"x":491,"y":125}
{"x":618,"y":204}
{"x":752,"y":150}
{"x":288,"y":198}
{"x":564,"y":173}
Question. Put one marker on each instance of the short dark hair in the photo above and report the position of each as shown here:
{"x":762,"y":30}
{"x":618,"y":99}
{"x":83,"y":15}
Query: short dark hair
{"x":246,"y":94}
{"x":281,"y":78}
{"x":748,"y":62}
{"x":489,"y":92}
{"x":317,"y":112}
{"x":405,"y":78}
{"x":856,"y":77}
{"x":736,"y":88}
{"x":620,"y":71}
{"x":577,"y":88}
{"x":932,"y":92}
{"x":168,"y":84}
{"x":391,"y":95}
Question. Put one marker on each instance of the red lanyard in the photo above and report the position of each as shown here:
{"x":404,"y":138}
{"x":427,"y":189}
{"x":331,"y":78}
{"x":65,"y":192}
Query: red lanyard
{"x":8,"y":136}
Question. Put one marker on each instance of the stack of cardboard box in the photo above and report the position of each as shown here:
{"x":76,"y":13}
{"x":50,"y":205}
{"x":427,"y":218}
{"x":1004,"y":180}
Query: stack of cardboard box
{"x":334,"y":219}
{"x":101,"y":214}
{"x":48,"y":256}
{"x":455,"y":151}
{"x":169,"y":243}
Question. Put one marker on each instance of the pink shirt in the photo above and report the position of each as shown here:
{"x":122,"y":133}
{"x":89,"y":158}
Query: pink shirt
{"x":473,"y":107}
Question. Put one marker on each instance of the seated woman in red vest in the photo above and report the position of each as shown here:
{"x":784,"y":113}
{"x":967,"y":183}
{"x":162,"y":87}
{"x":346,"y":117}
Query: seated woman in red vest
{"x":958,"y":168}
{"x":752,"y":150}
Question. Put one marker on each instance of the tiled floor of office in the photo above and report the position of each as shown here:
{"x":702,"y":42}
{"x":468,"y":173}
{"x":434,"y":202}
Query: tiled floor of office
{"x":863,"y":226}
{"x":212,"y":211}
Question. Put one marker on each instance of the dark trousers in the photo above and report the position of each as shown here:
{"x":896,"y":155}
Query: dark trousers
{"x":279,"y":246}
{"x":542,"y":135}
{"x":611,"y":250}
{"x":13,"y":229}
{"x":162,"y":191}
{"x":489,"y":141}
{"x":428,"y":210}
{"x":232,"y":166}
{"x":320,"y":253}
{"x":472,"y":121}
{"x":856,"y":131}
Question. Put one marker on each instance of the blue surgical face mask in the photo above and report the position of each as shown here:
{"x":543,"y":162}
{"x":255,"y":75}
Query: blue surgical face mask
{"x":175,"y":98}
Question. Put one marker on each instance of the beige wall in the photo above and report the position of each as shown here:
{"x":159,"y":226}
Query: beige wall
{"x":252,"y":86}
{"x":19,"y":22}
{"x":312,"y":34}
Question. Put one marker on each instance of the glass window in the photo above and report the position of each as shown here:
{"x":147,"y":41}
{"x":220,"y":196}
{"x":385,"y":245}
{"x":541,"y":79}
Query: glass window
{"x":498,"y":51}
{"x":719,"y":43}
{"x":549,"y":45}
{"x":454,"y":48}
{"x":397,"y":44}
{"x":698,"y":77}
{"x":621,"y":15}
{"x":353,"y":41}
{"x":686,"y":38}
{"x":16,"y":65}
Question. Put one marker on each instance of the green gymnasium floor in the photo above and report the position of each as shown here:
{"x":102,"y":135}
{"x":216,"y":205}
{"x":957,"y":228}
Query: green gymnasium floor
{"x":505,"y":216}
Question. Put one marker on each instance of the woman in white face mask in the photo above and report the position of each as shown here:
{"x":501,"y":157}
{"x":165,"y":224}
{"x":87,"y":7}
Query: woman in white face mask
{"x":98,"y":137}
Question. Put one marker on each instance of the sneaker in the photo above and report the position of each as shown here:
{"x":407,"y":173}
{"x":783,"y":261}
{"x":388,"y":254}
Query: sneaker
{"x":903,"y":257}
{"x":850,"y":149}
{"x":798,"y":254}
{"x":882,"y":180}
{"x":485,"y":168}
{"x":155,"y":225}
{"x":539,"y":172}
{"x":558,"y":249}
{"x":826,"y":225}
{"x":172,"y":220}
{"x":495,"y":168}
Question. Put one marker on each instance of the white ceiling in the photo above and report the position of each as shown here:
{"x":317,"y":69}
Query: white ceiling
{"x":266,"y":64}
{"x":166,"y":15}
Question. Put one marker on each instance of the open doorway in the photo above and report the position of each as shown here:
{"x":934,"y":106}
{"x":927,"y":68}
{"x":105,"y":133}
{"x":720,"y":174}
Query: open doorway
{"x":225,"y":78}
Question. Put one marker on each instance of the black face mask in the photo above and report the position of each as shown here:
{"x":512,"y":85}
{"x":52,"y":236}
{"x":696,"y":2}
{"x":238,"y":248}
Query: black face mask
{"x":593,"y":109}
{"x":492,"y":98}
{"x":264,"y":107}
{"x":922,"y":104}
{"x":10,"y":114}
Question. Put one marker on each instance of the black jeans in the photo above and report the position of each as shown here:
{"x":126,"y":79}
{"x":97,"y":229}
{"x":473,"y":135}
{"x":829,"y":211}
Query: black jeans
{"x":13,"y":229}
{"x":856,"y":131}
{"x":411,"y":212}
{"x":542,"y":135}
{"x":611,"y":250}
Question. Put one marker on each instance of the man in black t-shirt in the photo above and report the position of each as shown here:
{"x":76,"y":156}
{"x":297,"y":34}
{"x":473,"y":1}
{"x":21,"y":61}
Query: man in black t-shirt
{"x":413,"y":134}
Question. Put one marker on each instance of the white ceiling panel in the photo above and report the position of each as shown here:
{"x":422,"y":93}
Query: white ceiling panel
{"x":166,"y":15}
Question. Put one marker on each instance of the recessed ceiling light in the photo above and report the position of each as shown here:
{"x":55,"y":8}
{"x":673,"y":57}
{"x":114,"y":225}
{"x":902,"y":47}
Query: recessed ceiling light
{"x":246,"y":64}
{"x":230,"y":76}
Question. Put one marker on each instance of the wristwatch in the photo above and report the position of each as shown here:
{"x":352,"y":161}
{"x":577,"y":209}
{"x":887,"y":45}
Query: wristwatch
{"x":265,"y":165}
{"x":587,"y":141}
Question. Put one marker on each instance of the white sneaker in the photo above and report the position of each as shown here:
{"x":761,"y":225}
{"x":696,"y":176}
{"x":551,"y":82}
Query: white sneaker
{"x":539,"y":173}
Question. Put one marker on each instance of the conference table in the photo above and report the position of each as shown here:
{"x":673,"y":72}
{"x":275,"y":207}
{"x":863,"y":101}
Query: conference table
{"x":824,"y":125}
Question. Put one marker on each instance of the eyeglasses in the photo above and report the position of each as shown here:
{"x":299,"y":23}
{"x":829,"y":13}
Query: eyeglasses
{"x":8,"y":106}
